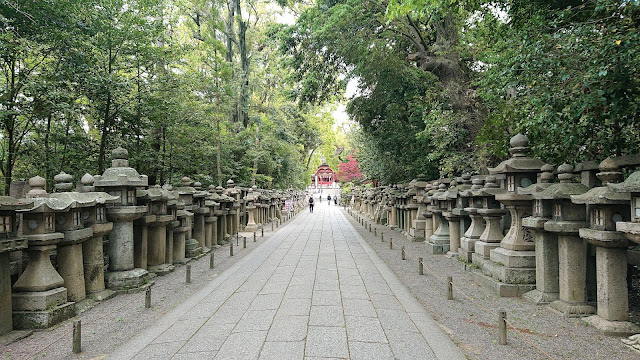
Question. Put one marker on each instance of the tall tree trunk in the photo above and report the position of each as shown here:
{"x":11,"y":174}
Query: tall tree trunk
{"x":243,"y":106}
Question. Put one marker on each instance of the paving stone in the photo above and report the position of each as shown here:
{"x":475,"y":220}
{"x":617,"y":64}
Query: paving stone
{"x":326,"y":297}
{"x":266,"y":302}
{"x":159,"y":351}
{"x":242,"y":346}
{"x":326,"y":342}
{"x":208,"y":339}
{"x":278,"y":350}
{"x":294,"y":307}
{"x":326,"y":316}
{"x":255,"y":320}
{"x":299,"y":292}
{"x":365,"y":329}
{"x":181,"y":330}
{"x":359,"y":307}
{"x":370,"y":351}
{"x":288,"y":328}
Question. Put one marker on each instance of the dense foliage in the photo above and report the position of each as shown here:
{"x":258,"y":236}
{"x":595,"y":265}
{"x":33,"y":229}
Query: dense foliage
{"x":443,"y":85}
{"x":189,"y":87}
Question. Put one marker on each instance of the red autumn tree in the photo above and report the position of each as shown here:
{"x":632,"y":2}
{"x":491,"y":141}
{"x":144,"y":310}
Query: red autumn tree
{"x":349,"y":171}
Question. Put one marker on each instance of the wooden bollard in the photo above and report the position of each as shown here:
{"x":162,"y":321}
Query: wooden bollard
{"x":147,"y":298}
{"x":237,"y":239}
{"x":382,"y":236}
{"x":369,"y":227}
{"x":188,"y":274}
{"x":244,"y":242}
{"x":77,"y":336}
{"x":375,"y":232}
{"x":211,"y":260}
{"x":449,"y":288}
{"x":262,"y":232}
{"x":502,"y":327}
{"x":272,"y":226}
{"x":403,"y":254}
{"x":231,"y":249}
{"x":391,"y":244}
{"x":254,"y":236}
{"x":420,"y":267}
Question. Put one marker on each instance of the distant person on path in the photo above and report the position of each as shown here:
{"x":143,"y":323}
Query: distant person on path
{"x":321,"y":197}
{"x":311,"y":204}
{"x":329,"y":199}
{"x":335,"y":200}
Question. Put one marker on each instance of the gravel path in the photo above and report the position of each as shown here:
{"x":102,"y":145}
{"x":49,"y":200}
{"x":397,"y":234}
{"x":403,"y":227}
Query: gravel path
{"x":114,"y":321}
{"x":472,"y":321}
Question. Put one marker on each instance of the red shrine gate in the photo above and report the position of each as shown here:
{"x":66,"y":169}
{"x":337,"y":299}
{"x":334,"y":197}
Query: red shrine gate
{"x":324,"y":178}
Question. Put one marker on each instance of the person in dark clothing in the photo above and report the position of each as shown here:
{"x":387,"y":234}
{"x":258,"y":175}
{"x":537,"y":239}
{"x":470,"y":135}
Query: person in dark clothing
{"x":311,"y":204}
{"x":335,"y":200}
{"x":329,"y":199}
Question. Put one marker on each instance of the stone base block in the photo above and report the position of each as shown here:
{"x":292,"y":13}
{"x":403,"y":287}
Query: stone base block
{"x":502,"y":289}
{"x":613,"y":328}
{"x":464,"y":255}
{"x":513,"y":259}
{"x":415,"y":236}
{"x":44,"y":318}
{"x":192,"y":248}
{"x":103,"y":295}
{"x":38,"y":300}
{"x":452,"y":255}
{"x":572,"y":310}
{"x":484,"y":248}
{"x":251,"y":228}
{"x":540,"y":298}
{"x":14,"y":336}
{"x":84,"y":305}
{"x":510,"y":275}
{"x":124,"y":280}
{"x":161,"y":269}
{"x":436,"y":249}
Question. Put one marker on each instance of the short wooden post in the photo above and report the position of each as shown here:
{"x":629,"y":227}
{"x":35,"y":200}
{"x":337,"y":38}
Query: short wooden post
{"x":77,"y":336}
{"x":391,"y":244}
{"x":254,"y":236}
{"x":449,"y":288}
{"x":375,"y":232}
{"x":403,"y":254}
{"x":211,"y":260}
{"x":272,"y":226}
{"x":420,"y":267}
{"x":382,"y":236}
{"x":188,"y":274}
{"x":231,"y":249}
{"x":147,"y":298}
{"x":262,"y":232}
{"x":502,"y":327}
{"x":244,"y":242}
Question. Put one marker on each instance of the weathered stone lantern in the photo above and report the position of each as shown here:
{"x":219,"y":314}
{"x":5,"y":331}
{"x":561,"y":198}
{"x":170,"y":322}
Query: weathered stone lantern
{"x":40,"y":299}
{"x":71,"y":224}
{"x":426,"y":210}
{"x":153,"y":231}
{"x":211,"y":221}
{"x":476,"y":228}
{"x":566,"y":219}
{"x":439,"y":242}
{"x":223,"y":215}
{"x":200,"y":211}
{"x":180,"y":233}
{"x":173,"y":206}
{"x":187,"y":194}
{"x":455,"y":209}
{"x":419,"y":221}
{"x":123,"y":181}
{"x":92,"y":249}
{"x":251,"y":208}
{"x":546,"y":244}
{"x":432,"y":204}
{"x":606,"y":208}
{"x":10,"y":241}
{"x":492,"y":214}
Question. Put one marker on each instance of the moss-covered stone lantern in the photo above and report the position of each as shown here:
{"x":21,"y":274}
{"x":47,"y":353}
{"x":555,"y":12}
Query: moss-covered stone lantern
{"x":476,"y":227}
{"x":439,"y":242}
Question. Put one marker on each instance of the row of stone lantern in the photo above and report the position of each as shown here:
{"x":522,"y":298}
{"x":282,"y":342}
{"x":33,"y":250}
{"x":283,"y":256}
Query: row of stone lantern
{"x":528,"y":235}
{"x":149,"y":230}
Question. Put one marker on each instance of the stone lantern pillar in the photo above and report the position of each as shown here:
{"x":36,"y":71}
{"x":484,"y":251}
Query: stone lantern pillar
{"x":40,"y":299}
{"x":412,"y":208}
{"x":546,"y":244}
{"x":180,"y":233}
{"x":393,"y":216}
{"x":234,"y":194}
{"x":92,"y":250}
{"x":10,"y":241}
{"x":250,"y":201}
{"x":476,"y":228}
{"x":606,"y":208}
{"x":200,"y":211}
{"x":223,"y":235}
{"x":433,"y":205}
{"x":426,"y":211}
{"x":122,"y":180}
{"x":173,"y":205}
{"x":571,"y":274}
{"x":439,"y":242}
{"x":453,"y":213}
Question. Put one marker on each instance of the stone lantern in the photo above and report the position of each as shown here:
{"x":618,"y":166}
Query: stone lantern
{"x":251,"y":208}
{"x":173,"y":206}
{"x":180,"y":233}
{"x":222,"y":213}
{"x":546,"y":244}
{"x":492,"y":214}
{"x":200,"y":211}
{"x":439,"y":242}
{"x":92,"y":249}
{"x":419,"y":221}
{"x":10,"y":241}
{"x":153,"y":231}
{"x":412,"y":209}
{"x":40,"y":299}
{"x":425,"y":201}
{"x":123,"y":181}
{"x":606,"y":208}
{"x":71,"y":224}
{"x":476,"y":227}
{"x":187,"y":194}
{"x":455,"y":211}
{"x":393,"y":213}
{"x":210,"y":223}
{"x":432,"y":204}
{"x":566,"y":218}
{"x":513,"y":263}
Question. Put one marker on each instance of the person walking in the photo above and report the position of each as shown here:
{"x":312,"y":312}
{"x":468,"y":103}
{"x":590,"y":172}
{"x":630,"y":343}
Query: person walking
{"x":311,"y":204}
{"x":329,"y":199}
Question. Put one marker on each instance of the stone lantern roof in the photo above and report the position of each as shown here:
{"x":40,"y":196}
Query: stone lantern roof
{"x":154,"y":193}
{"x":490,"y":188}
{"x":120,"y":174}
{"x":519,"y":161}
{"x":546,"y":180}
{"x":605,"y":194}
{"x":630,"y":185}
{"x":565,"y":188}
{"x":186,"y":188}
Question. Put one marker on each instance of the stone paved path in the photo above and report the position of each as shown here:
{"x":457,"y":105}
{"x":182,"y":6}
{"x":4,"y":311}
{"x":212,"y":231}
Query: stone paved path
{"x":313,"y":290}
